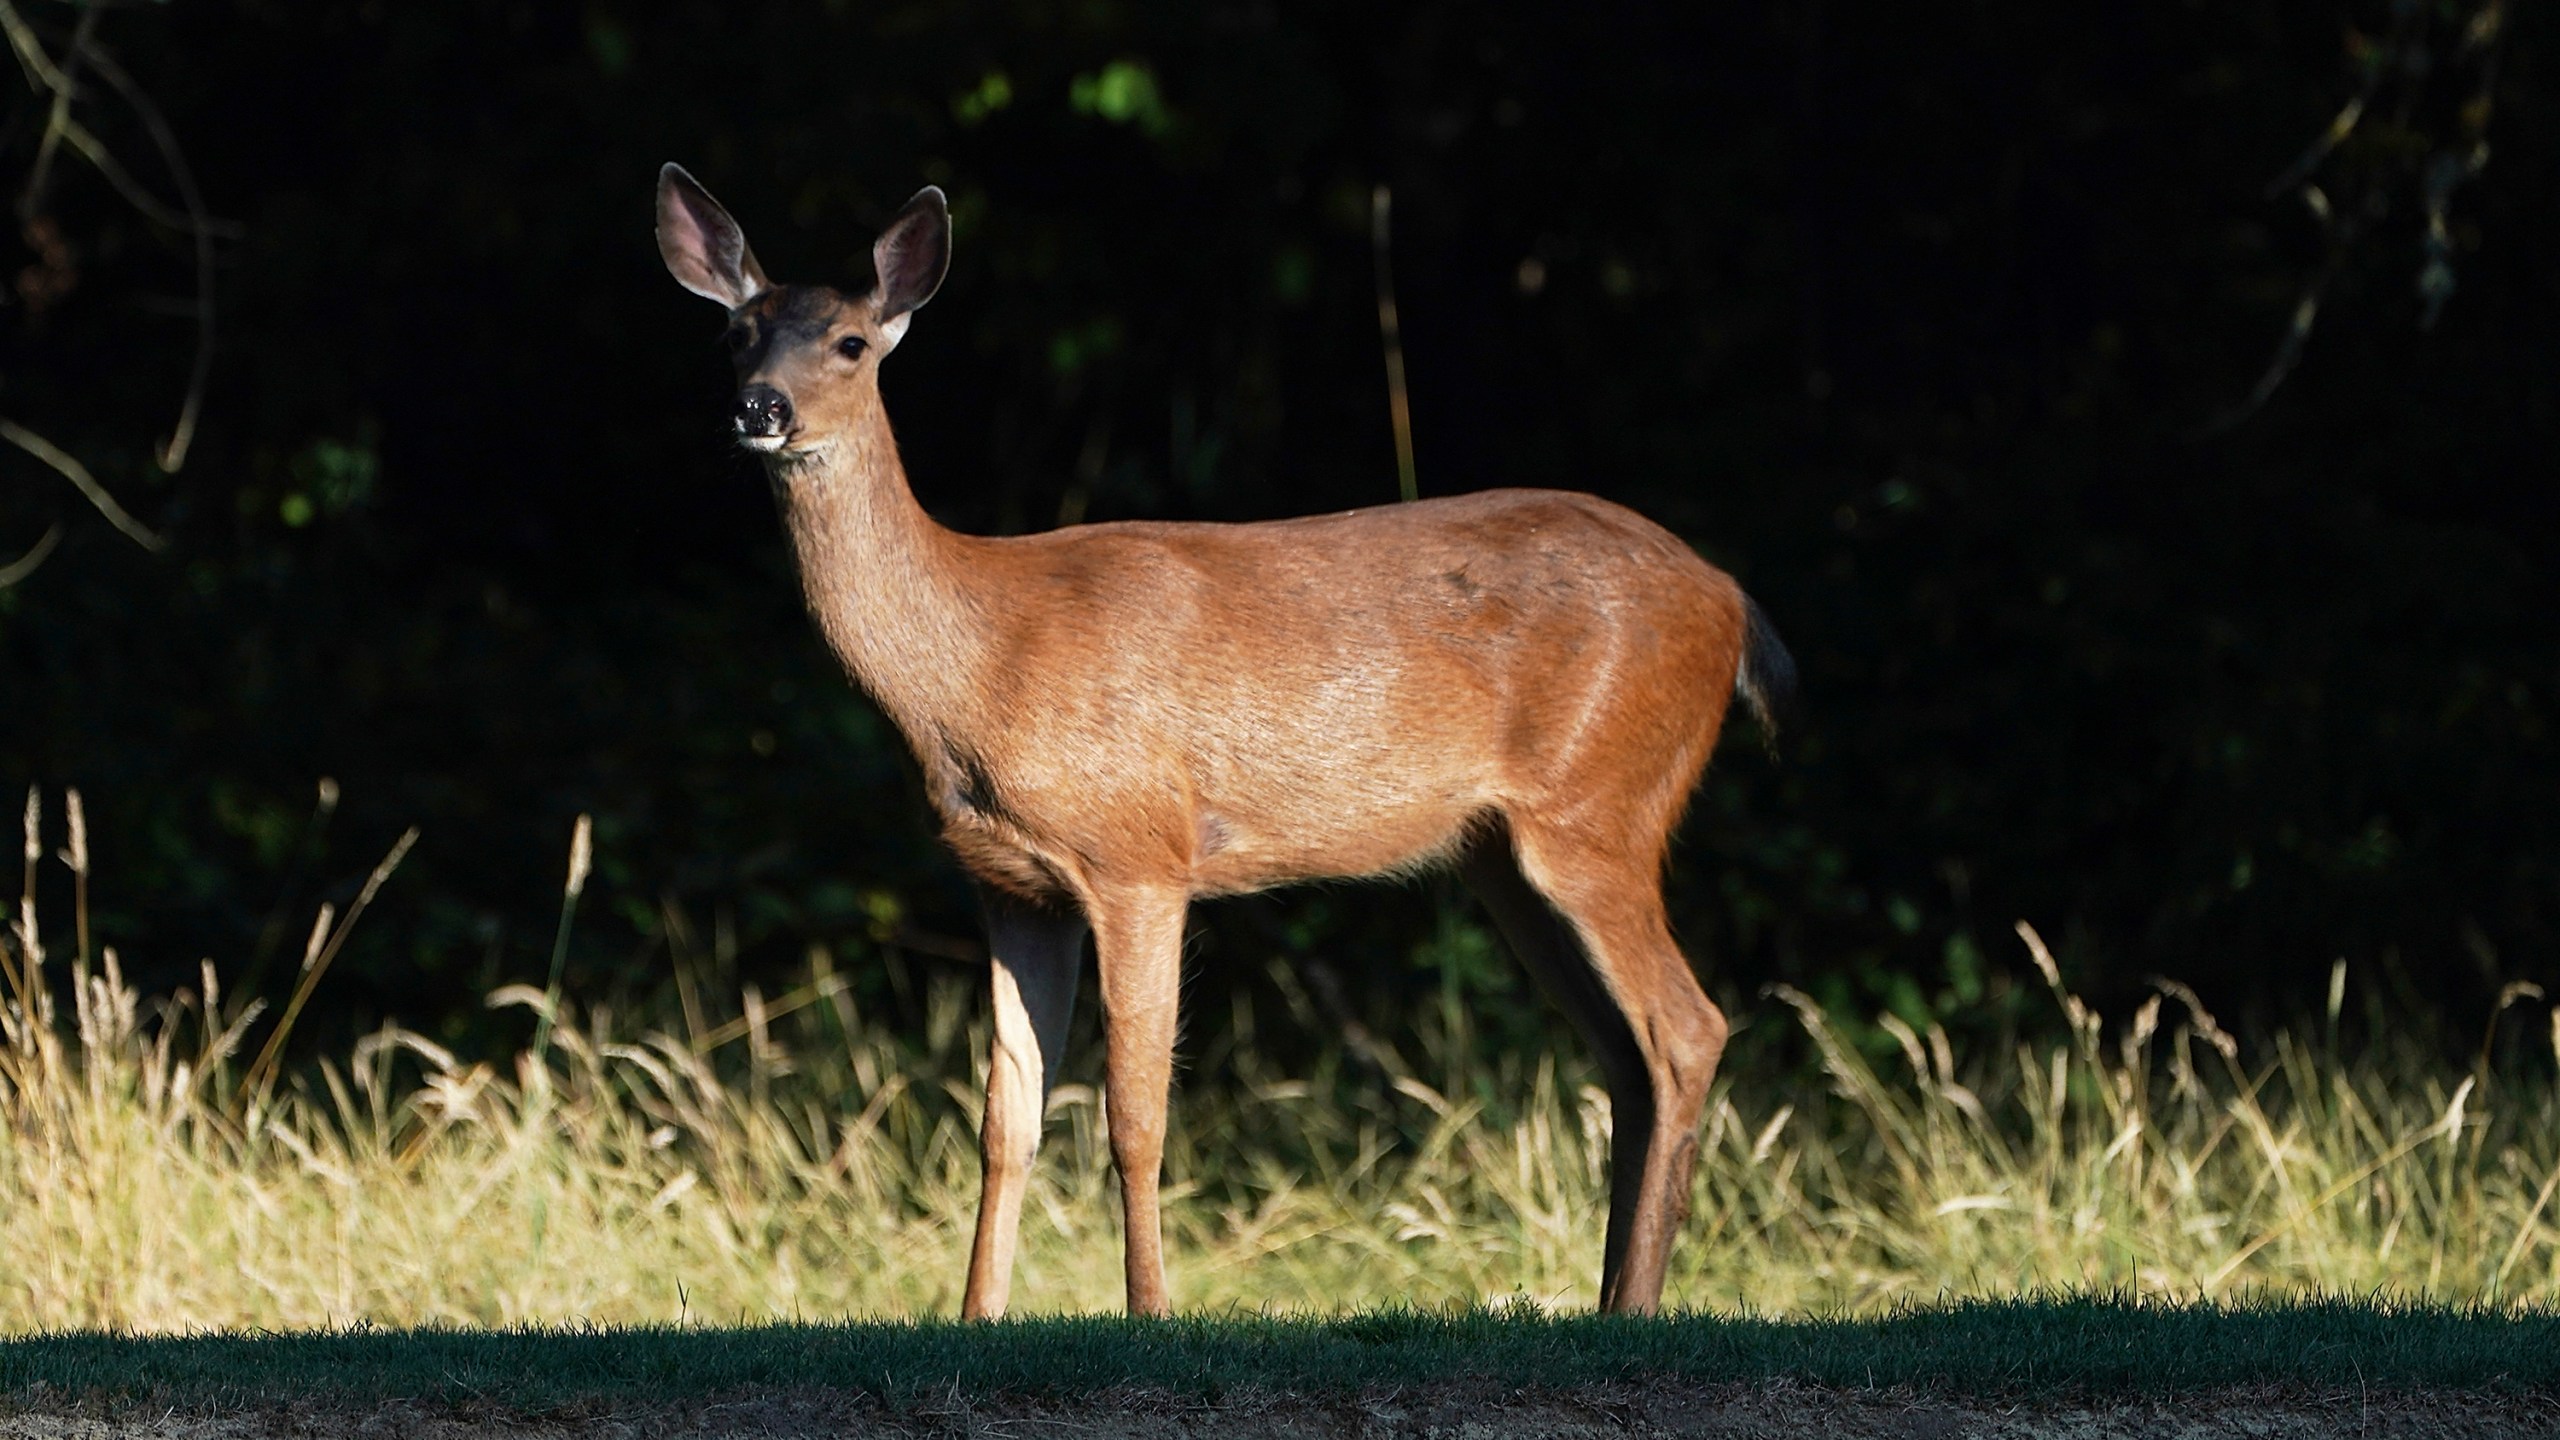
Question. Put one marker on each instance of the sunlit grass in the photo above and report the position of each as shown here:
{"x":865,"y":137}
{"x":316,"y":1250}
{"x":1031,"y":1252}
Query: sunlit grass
{"x":799,"y":1161}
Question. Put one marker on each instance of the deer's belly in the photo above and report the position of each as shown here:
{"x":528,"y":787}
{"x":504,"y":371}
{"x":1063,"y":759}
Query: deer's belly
{"x":1325,"y":838}
{"x":1208,"y":847}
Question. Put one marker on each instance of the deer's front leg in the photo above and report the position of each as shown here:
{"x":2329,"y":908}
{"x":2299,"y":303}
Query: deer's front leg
{"x":1138,"y":945}
{"x":1034,"y":953}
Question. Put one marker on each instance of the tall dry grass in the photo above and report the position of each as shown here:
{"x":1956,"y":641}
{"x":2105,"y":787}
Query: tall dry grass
{"x":158,"y":1169}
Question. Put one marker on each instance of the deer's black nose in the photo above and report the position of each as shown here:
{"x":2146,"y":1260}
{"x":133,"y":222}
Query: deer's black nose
{"x":762,"y":410}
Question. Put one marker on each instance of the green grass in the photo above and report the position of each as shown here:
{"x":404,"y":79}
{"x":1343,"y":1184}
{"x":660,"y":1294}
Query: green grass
{"x":2016,"y":1348}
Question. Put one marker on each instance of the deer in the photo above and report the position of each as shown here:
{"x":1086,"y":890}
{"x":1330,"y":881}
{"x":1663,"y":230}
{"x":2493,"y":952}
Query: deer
{"x":1114,"y":720}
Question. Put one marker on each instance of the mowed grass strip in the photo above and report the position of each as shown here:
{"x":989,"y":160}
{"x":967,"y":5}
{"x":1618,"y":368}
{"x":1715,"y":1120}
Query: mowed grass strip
{"x":2022,"y":1349}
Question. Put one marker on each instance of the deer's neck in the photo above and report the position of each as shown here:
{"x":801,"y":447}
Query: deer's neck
{"x":886,"y":584}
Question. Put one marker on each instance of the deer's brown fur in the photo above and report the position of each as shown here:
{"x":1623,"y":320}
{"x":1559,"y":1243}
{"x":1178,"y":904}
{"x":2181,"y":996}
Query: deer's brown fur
{"x":1115,"y":719}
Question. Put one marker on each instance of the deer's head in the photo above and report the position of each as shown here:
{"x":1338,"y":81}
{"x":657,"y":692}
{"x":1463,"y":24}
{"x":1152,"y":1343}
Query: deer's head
{"x":806,"y":355}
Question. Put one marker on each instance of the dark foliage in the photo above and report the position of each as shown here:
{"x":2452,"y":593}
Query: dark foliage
{"x":1917,"y":318}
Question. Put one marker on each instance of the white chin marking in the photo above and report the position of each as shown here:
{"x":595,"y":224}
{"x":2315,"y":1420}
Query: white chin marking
{"x":761,"y":444}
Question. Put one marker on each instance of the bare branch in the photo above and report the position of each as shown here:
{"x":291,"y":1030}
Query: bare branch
{"x":41,"y":71}
{"x":2297,"y":336}
{"x":25,"y":565}
{"x":2398,"y":64}
{"x":88,"y":147}
{"x":78,"y":474}
{"x":61,"y":130}
{"x":173,"y":451}
{"x":1391,"y":339}
{"x":2330,"y":139}
{"x":66,"y":84}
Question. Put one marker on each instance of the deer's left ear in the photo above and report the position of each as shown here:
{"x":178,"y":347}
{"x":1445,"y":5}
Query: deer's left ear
{"x":911,"y":256}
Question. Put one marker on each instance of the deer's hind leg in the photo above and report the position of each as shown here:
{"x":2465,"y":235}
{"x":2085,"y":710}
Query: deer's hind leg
{"x":1586,"y":917}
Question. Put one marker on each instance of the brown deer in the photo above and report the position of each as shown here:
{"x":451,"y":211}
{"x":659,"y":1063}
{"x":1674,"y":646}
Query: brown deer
{"x":1115,"y":719}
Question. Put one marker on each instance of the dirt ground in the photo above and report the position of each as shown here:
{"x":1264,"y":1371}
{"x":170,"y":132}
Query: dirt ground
{"x":1473,"y":1411}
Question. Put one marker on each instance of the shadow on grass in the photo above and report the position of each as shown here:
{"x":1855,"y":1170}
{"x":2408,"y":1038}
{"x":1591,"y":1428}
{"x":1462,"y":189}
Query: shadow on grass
{"x":2087,"y":1347}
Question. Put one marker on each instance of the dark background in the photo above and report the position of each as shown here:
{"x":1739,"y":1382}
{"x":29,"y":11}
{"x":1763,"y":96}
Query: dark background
{"x":1934,"y":324}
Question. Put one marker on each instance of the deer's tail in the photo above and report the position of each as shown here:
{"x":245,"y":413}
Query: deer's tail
{"x":1767,"y":680}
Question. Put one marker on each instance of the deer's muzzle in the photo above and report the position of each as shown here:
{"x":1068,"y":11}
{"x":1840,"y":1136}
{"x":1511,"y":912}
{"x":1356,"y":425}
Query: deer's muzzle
{"x":762,"y":417}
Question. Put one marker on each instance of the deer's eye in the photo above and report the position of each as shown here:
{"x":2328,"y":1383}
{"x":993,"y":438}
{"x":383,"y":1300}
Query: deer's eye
{"x":738,"y":338}
{"x":852,"y":346}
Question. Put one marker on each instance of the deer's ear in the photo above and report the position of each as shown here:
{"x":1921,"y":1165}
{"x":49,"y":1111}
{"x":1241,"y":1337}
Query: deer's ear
{"x":911,"y":256}
{"x":704,"y":249}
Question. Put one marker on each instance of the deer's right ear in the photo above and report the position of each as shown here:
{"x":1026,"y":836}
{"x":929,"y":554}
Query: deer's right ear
{"x":704,"y":249}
